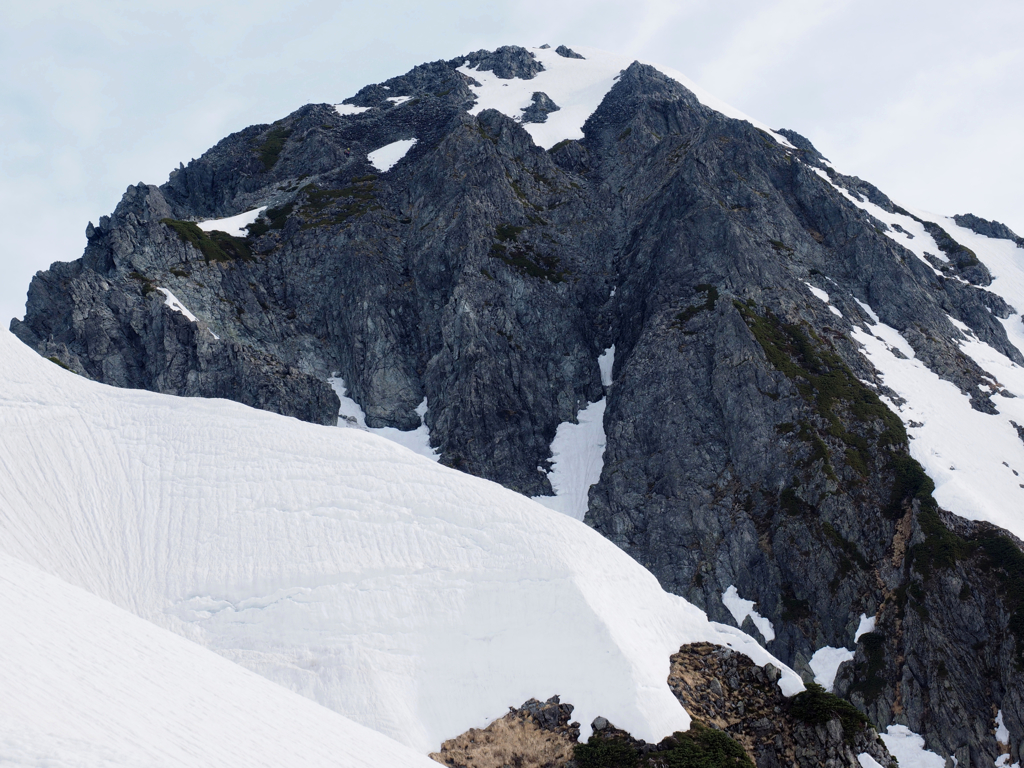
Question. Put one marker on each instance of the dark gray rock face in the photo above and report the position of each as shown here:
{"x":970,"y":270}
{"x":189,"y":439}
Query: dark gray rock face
{"x":988,"y":228}
{"x":567,"y":53}
{"x":507,"y":62}
{"x":539,"y":110}
{"x":487,"y":275}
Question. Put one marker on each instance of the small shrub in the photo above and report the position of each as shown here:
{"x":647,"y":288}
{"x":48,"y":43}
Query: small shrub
{"x":816,"y":706}
{"x":606,"y":753}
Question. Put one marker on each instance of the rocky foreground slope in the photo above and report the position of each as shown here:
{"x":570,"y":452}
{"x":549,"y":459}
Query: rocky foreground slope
{"x":761,"y":307}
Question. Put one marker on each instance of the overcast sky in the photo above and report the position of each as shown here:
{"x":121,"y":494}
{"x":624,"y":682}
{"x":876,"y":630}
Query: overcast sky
{"x":923,"y":99}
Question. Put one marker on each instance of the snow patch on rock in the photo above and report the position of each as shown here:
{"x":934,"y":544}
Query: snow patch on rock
{"x":740,"y":609}
{"x":233,"y":225}
{"x":350,"y":414}
{"x":171,"y":301}
{"x":577,"y":86}
{"x":825,"y":664}
{"x":385,"y":158}
{"x":908,"y":748}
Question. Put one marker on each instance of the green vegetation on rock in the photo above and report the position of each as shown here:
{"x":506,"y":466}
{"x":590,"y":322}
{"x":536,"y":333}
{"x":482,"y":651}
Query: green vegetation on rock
{"x":699,"y":747}
{"x":215,"y":245}
{"x":816,"y":706}
{"x":270,"y":150}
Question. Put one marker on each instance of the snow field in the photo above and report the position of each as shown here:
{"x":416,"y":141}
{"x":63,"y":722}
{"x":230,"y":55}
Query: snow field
{"x":414,"y":599}
{"x":88,"y":684}
{"x":577,"y":86}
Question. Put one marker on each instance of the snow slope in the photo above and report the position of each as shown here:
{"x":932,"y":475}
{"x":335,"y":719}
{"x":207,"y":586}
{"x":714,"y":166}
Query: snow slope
{"x":414,"y":599}
{"x":975,"y":459}
{"x":577,"y":86}
{"x":88,"y":684}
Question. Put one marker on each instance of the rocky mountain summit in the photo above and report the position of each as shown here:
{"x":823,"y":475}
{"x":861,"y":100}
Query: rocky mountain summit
{"x":436,"y":238}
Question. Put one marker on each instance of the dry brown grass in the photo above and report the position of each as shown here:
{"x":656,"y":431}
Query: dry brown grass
{"x":514,"y":740}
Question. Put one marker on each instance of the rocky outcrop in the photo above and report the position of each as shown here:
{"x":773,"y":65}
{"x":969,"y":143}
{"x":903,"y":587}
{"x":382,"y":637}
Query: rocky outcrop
{"x":535,"y":734}
{"x":726,"y":690}
{"x":487,"y":275}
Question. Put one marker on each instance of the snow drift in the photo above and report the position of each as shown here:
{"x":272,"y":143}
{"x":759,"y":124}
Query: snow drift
{"x":417,"y":600}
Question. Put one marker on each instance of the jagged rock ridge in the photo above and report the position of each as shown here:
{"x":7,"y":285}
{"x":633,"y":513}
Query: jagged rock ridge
{"x":487,"y":275}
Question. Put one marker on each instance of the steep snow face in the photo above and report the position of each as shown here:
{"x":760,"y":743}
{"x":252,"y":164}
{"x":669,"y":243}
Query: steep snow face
{"x":88,"y":684}
{"x":976,"y":460}
{"x":577,"y":86}
{"x":410,"y":597}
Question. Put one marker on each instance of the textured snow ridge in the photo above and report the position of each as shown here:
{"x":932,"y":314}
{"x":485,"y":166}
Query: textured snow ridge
{"x":88,"y":684}
{"x":385,"y":158}
{"x":412,"y":598}
{"x":233,"y":225}
{"x":577,"y":86}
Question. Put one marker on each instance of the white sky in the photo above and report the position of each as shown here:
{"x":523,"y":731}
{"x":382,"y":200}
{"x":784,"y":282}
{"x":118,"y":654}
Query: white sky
{"x":923,"y":99}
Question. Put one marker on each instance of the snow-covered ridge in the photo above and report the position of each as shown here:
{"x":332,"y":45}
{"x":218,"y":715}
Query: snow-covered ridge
{"x":414,"y":599}
{"x":577,"y":86}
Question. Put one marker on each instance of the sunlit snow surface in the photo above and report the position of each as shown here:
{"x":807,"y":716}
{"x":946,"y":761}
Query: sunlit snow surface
{"x":410,"y":597}
{"x":233,"y":225}
{"x":88,"y":684}
{"x":577,"y":86}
